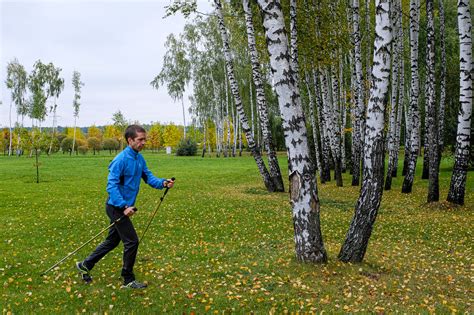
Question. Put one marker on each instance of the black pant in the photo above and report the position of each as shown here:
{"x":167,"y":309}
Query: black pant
{"x":121,"y":231}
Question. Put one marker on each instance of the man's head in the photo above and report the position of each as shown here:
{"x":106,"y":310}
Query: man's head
{"x":135,"y":136}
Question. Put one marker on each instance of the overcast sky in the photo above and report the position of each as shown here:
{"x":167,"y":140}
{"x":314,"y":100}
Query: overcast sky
{"x":116,"y":45}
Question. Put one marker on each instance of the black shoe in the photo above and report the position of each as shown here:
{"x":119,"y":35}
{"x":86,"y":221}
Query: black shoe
{"x":134,"y":285}
{"x":84,"y":272}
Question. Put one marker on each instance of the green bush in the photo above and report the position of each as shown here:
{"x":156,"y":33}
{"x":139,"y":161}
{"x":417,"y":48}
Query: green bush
{"x":83,"y":149}
{"x":66,"y":145}
{"x":186,"y":147}
{"x":111,"y":144}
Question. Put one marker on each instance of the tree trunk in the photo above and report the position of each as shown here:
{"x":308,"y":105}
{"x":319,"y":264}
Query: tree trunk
{"x":325,"y":146}
{"x":262,"y":107}
{"x":10,"y":117}
{"x":204,"y":141}
{"x":414,"y":110}
{"x":74,"y":136}
{"x":184,"y":118}
{"x":358,"y":97}
{"x":458,"y":179}
{"x":442,"y":80}
{"x":394,"y":93}
{"x":294,"y":66}
{"x":313,"y":123}
{"x":357,"y":238}
{"x":303,"y":187}
{"x":331,"y":128}
{"x":342,"y":103}
{"x":431,"y":115}
{"x":401,"y":89}
{"x":238,"y":101}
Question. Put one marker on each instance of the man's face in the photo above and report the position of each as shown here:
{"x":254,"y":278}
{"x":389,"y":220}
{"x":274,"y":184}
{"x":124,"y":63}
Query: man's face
{"x":138,"y":143}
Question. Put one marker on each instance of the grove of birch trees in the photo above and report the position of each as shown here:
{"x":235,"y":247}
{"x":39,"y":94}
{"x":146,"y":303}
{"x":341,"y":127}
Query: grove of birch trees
{"x":349,"y":83}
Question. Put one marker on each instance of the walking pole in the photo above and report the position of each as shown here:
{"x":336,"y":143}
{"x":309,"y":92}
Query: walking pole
{"x":76,"y":250}
{"x":153,"y":215}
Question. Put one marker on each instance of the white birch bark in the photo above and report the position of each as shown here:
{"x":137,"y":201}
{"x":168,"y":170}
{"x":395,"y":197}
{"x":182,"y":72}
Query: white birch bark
{"x":303,"y":187}
{"x":357,"y":238}
{"x":458,"y":179}
{"x":262,"y":107}
{"x":442,"y":81}
{"x":342,"y":102}
{"x":238,"y":101}
{"x":414,"y":107}
{"x":294,"y":43}
{"x":74,"y":136}
{"x":10,"y":130}
{"x":391,"y":148}
{"x":401,"y":89}
{"x":431,"y":114}
{"x":331,"y":126}
{"x":358,"y":97}
{"x":312,"y":116}
{"x":325,"y":143}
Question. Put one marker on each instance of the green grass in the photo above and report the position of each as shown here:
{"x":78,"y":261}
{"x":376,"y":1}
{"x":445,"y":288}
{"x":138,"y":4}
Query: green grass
{"x":221,"y":243}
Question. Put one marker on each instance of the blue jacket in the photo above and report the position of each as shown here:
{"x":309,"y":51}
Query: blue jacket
{"x":125,"y":172}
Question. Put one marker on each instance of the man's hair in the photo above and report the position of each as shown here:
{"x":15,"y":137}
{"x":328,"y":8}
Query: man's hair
{"x":132,"y":130}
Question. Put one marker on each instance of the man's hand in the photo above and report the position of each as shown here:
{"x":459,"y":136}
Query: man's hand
{"x":129,"y":211}
{"x":169,"y":183}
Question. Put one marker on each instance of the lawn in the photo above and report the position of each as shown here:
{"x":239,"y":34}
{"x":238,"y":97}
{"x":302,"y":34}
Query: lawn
{"x":220,"y":243}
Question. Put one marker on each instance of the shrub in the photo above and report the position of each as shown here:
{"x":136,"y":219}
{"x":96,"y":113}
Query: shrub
{"x":186,"y":147}
{"x":66,"y":145}
{"x":83,"y":149}
{"x":111,"y":144}
{"x":94,"y":143}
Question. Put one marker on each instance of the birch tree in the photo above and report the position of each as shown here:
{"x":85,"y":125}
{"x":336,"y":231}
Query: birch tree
{"x":431,"y":115}
{"x":175,"y":72}
{"x":238,"y":101}
{"x":273,"y":165}
{"x":394,"y":104}
{"x":458,"y":179}
{"x":17,"y":82}
{"x":357,"y":238}
{"x":56,"y":85}
{"x":358,"y":97}
{"x":303,"y":187}
{"x":414,"y":108}
{"x":78,"y":84}
{"x":442,"y":79}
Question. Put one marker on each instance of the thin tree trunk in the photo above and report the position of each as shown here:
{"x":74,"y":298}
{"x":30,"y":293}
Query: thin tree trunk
{"x":262,"y":107}
{"x":342,"y":102}
{"x":313,"y":123}
{"x":238,"y":101}
{"x":414,"y":110}
{"x":54,"y":125}
{"x":204,"y":141}
{"x":358,"y":97}
{"x":325,"y":143}
{"x":458,"y":179}
{"x":10,"y":117}
{"x":401,"y":89}
{"x":303,"y":187}
{"x":431,"y":117}
{"x":442,"y":84}
{"x":394,"y":93}
{"x":74,"y":136}
{"x":184,"y":118}
{"x":331,"y":129}
{"x":357,"y":238}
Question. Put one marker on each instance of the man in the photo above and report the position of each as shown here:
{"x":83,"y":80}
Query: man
{"x":123,"y":183}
